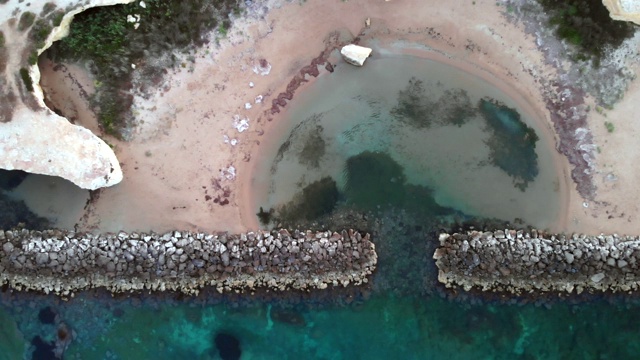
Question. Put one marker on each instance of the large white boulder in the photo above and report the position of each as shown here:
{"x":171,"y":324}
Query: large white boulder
{"x":355,"y":54}
{"x":626,"y":10}
{"x":45,"y":143}
{"x":32,"y":137}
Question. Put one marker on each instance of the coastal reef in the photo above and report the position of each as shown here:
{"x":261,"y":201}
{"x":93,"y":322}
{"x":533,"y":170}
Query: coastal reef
{"x":64,"y":262}
{"x":519,"y":262}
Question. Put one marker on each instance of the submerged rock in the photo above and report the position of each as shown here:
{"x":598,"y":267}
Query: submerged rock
{"x":47,"y":315}
{"x":43,"y":349}
{"x":355,"y":54}
{"x":228,"y":346}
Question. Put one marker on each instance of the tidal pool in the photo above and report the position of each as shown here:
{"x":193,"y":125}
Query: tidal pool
{"x":405,"y":131}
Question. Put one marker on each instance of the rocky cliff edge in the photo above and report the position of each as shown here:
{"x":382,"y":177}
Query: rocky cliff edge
{"x":32,"y":137}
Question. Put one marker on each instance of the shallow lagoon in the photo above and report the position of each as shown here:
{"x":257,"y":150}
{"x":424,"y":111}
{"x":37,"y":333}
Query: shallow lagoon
{"x":450,"y":132}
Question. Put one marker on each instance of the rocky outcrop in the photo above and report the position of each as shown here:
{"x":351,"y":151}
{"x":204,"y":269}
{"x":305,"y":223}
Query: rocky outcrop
{"x":355,"y":54}
{"x":625,"y":10}
{"x":32,"y":137}
{"x":64,"y":262}
{"x":45,"y":143}
{"x":518,"y":262}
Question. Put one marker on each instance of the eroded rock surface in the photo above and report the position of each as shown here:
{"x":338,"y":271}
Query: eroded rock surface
{"x":32,"y":137}
{"x":45,"y":143}
{"x":625,"y":10}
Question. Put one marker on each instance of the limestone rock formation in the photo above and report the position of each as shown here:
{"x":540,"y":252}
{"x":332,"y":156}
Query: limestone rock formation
{"x":32,"y":137}
{"x":625,"y":10}
{"x":355,"y":54}
{"x":45,"y":143}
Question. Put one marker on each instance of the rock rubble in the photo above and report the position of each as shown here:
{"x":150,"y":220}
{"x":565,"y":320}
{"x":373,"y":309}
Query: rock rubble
{"x":522,"y":262}
{"x":64,"y":262}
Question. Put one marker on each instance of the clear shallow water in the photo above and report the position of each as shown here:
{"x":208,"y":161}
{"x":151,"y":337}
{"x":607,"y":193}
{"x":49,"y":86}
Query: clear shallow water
{"x":448,"y":130}
{"x":53,"y":198}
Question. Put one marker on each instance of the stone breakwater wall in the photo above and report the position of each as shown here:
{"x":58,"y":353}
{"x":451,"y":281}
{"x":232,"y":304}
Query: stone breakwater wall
{"x":64,"y":262}
{"x":519,"y":262}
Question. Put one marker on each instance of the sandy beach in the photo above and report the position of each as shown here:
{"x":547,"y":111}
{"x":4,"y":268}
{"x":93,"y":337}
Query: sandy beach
{"x":190,"y":160}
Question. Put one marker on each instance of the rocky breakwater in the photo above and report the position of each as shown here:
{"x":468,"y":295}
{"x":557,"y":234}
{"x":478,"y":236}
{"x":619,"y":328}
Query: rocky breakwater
{"x":64,"y":262}
{"x":519,"y":262}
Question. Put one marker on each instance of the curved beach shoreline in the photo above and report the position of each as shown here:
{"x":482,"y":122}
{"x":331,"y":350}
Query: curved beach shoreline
{"x":428,"y":43}
{"x":190,"y":159}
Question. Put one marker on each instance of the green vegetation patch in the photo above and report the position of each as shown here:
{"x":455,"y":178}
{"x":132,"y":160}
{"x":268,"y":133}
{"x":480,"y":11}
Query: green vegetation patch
{"x":56,"y":17}
{"x":587,"y":25}
{"x":48,"y":8}
{"x":26,"y":79}
{"x":610,"y":127}
{"x":111,"y":110}
{"x":32,"y":59}
{"x":103,"y":37}
{"x":26,"y":20}
{"x":3,"y":54}
{"x":40,"y":32}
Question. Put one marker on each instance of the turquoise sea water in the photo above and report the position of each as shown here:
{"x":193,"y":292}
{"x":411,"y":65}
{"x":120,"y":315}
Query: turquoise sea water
{"x":410,"y":147}
{"x":383,"y":327}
